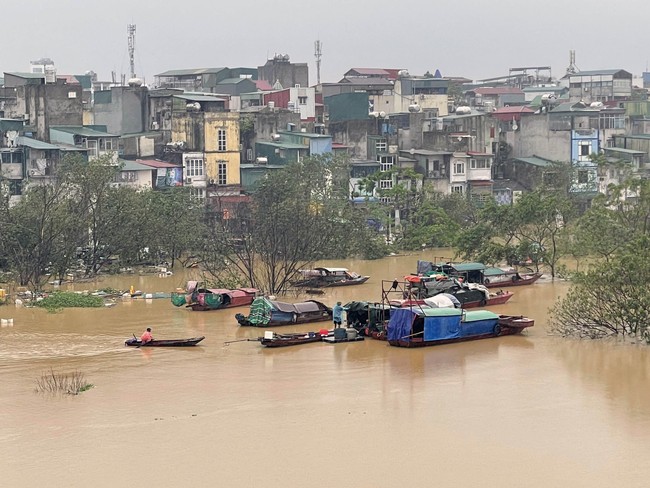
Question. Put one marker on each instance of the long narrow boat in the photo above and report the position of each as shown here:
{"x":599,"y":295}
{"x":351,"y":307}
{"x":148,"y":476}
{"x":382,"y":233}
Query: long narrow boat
{"x":192,"y":341}
{"x":284,"y":340}
{"x":411,"y":327}
{"x":328,"y":277}
{"x":491,"y":277}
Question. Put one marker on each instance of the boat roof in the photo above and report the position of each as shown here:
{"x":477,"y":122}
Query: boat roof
{"x":490,"y":271}
{"x":333,"y":270}
{"x":468,"y":266}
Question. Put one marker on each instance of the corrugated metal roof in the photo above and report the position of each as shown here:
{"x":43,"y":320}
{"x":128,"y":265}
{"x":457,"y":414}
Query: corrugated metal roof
{"x":34,"y":143}
{"x":32,"y":76}
{"x":284,"y":145}
{"x":200,"y":98}
{"x":512,"y":110}
{"x":535,"y":161}
{"x":232,"y":81}
{"x":498,"y":90}
{"x":622,"y":150}
{"x":133,"y":166}
{"x":597,"y":72}
{"x":82,"y":131}
{"x":190,"y":72}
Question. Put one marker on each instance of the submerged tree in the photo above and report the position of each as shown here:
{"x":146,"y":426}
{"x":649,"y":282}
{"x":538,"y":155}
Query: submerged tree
{"x":297,"y":215}
{"x":612,"y":296}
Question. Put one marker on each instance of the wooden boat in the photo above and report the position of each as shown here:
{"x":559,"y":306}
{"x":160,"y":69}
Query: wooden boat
{"x":193,"y":341}
{"x":488,"y":276}
{"x":343,"y":335}
{"x":268,"y":313}
{"x":419,"y":327}
{"x":202,"y":299}
{"x":469,"y":295}
{"x":368,"y":318}
{"x":271,"y":339}
{"x":326,"y":277}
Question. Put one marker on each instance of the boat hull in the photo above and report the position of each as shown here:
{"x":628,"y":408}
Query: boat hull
{"x":285,"y":340}
{"x":526,"y":279}
{"x":193,"y":341}
{"x":496,"y":299}
{"x":507,"y":325}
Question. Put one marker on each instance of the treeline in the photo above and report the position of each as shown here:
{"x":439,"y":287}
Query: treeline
{"x":83,"y":221}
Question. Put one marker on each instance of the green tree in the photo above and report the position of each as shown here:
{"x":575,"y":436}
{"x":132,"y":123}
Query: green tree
{"x":297,"y":215}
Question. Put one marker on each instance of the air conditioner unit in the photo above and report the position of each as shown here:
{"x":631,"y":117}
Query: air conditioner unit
{"x":25,"y":116}
{"x":188,"y":181}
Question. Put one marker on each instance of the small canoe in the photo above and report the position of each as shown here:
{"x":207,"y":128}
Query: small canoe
{"x":283,"y":340}
{"x":193,"y":341}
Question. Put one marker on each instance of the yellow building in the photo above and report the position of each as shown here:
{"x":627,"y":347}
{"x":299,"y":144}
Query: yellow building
{"x":211,"y":147}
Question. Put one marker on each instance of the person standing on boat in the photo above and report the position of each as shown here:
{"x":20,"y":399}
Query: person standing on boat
{"x":146,"y":336}
{"x":337,"y":314}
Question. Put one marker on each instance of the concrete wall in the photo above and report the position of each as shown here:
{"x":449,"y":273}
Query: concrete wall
{"x":354,"y":133}
{"x":534,"y":138}
{"x":127,"y":113}
{"x":288,"y":74}
{"x":50,"y":105}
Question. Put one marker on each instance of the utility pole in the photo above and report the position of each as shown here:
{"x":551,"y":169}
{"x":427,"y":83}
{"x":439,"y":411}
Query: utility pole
{"x":318,"y":54}
{"x":130,"y":29}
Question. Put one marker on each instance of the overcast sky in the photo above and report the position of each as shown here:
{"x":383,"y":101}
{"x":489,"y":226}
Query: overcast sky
{"x":472,"y":38}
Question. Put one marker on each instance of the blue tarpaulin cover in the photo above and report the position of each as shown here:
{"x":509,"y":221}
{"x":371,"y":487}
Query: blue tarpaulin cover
{"x":441,"y":323}
{"x":400,"y":323}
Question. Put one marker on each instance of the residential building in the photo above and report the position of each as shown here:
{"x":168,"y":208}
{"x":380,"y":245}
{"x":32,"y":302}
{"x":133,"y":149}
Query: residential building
{"x":495,"y":97}
{"x":165,"y":175}
{"x":134,"y":175}
{"x":208,"y":143}
{"x":122,"y":109}
{"x":600,"y":85}
{"x":298,"y":99}
{"x":203,"y":79}
{"x":94,"y":140}
{"x":280,"y":70}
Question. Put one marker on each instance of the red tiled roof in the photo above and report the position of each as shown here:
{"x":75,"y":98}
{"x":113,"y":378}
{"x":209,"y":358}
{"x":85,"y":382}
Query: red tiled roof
{"x":263,"y":85}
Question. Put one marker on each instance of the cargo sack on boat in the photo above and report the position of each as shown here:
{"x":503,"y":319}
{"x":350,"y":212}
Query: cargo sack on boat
{"x":260,"y":313}
{"x":178,"y":299}
{"x":213,"y":300}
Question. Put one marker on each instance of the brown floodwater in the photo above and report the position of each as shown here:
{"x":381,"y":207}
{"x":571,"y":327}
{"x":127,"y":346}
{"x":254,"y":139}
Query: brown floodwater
{"x":519,"y":411}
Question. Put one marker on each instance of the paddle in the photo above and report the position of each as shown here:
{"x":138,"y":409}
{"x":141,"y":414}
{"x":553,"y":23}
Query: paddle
{"x":241,"y":340}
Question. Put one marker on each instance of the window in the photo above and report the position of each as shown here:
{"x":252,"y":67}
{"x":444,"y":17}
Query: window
{"x":385,"y":184}
{"x":459,"y":168}
{"x":194,"y":167}
{"x":221,"y":139}
{"x":126,"y":177}
{"x":583,"y":176}
{"x":222,"y":173}
{"x":385,"y":163}
{"x":381,"y":145}
{"x":15,"y":187}
{"x":585,"y":149}
{"x":457,"y":189}
{"x":92,"y":148}
{"x":197,"y":193}
{"x":302,"y":100}
{"x":109,"y":144}
{"x":478,"y":164}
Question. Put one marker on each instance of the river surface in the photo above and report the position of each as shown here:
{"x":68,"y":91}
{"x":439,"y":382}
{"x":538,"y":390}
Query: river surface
{"x":518,"y":411}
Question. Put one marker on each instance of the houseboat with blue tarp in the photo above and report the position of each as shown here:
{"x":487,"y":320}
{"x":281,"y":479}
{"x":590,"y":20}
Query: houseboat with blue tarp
{"x":423,"y":326}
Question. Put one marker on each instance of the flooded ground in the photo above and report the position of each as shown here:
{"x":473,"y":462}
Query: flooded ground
{"x":519,"y":411}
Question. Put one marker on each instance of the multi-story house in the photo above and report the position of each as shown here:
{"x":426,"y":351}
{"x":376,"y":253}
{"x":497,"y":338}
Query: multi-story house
{"x":600,"y":85}
{"x":206,"y":137}
{"x":94,"y":140}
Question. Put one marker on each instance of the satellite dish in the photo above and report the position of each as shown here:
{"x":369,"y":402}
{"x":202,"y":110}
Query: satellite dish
{"x":515,"y":127}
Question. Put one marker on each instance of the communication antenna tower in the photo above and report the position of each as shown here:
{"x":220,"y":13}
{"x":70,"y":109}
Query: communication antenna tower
{"x":318,"y":54}
{"x":130,"y":29}
{"x":572,"y":69}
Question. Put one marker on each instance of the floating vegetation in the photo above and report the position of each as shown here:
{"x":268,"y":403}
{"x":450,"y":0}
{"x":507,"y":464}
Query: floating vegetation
{"x":63,"y":299}
{"x":63,"y":383}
